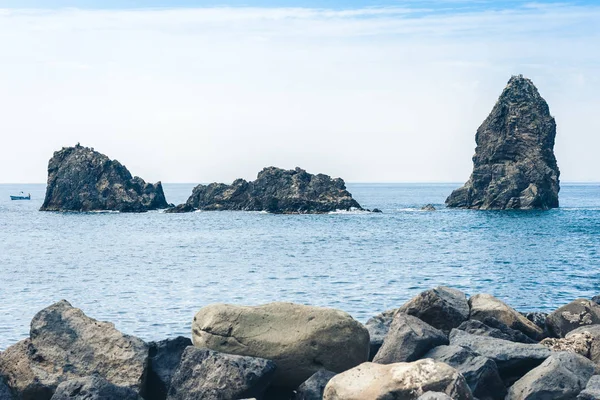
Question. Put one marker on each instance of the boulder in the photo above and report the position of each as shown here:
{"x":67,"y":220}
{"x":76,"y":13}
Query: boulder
{"x":164,"y":359}
{"x":5,"y":392}
{"x":276,"y":191}
{"x":428,"y":207}
{"x":513,"y":359}
{"x":579,"y":343}
{"x":561,"y":377}
{"x":300,"y":339}
{"x":580,"y":312}
{"x":376,"y":210}
{"x":485,"y":305}
{"x":93,"y":388}
{"x":537,"y":317}
{"x":313,"y":387}
{"x":208,"y":375}
{"x":494,"y":328}
{"x":397,"y":381}
{"x":596,"y":299}
{"x":480,"y":372}
{"x":592,"y":389}
{"x":65,"y":344}
{"x":514,"y":166}
{"x":443,"y":308}
{"x":434,"y":396}
{"x":409,"y":338}
{"x":378,"y":327}
{"x":81,"y":179}
{"x":594,"y":332}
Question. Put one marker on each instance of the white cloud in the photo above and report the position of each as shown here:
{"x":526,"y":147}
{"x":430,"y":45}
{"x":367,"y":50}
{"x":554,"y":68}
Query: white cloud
{"x":389,"y":94}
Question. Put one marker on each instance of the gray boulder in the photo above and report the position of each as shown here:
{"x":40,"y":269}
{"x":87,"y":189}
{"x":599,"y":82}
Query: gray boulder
{"x":579,"y":343}
{"x":494,"y":328}
{"x":480,"y":372}
{"x":561,"y":377}
{"x":81,"y":179}
{"x":275,"y":190}
{"x":164,"y":359}
{"x":313,"y":387}
{"x":443,"y":308}
{"x":65,"y":344}
{"x":580,"y":312}
{"x":92,"y":388}
{"x":537,"y":317}
{"x":592,"y":389}
{"x":378,"y":327}
{"x":594,"y":332}
{"x":512,"y":359}
{"x":514,"y":166}
{"x":434,"y":396}
{"x":208,"y":375}
{"x":300,"y":339}
{"x":409,"y":338}
{"x":484,"y":306}
{"x":406,"y":381}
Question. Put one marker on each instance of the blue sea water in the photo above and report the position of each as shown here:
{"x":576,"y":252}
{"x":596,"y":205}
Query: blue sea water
{"x":149,"y":273}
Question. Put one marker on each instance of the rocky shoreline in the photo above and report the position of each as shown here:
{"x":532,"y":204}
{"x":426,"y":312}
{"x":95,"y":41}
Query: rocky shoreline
{"x":441,"y":344}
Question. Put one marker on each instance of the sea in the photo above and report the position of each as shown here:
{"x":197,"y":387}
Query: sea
{"x":150,"y":273}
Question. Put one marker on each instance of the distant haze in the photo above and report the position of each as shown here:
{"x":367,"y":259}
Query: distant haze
{"x":366,"y":94}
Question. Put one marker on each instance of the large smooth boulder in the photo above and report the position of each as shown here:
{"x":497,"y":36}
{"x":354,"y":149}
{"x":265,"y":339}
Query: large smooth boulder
{"x":580,"y":312}
{"x":494,"y":328}
{"x":378,"y":327}
{"x":81,"y":179}
{"x":594,"y":332}
{"x":65,"y":344}
{"x":561,"y":377}
{"x":480,"y":372}
{"x":443,"y":308}
{"x":164,"y":359}
{"x":592,"y":389}
{"x":397,"y":381}
{"x":300,"y":339}
{"x":92,"y":388}
{"x":275,"y":190}
{"x":513,"y":359}
{"x":484,"y":306}
{"x":408,"y":339}
{"x":514,"y":166}
{"x":314,"y":387}
{"x":208,"y":375}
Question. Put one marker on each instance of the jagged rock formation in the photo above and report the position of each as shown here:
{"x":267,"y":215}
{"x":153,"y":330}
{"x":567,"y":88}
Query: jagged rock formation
{"x":514,"y":163}
{"x":275,"y":190}
{"x":81,"y":179}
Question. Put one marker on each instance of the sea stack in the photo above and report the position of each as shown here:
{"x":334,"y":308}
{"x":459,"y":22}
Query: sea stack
{"x":275,"y":190}
{"x":514,"y":165}
{"x":81,"y":179}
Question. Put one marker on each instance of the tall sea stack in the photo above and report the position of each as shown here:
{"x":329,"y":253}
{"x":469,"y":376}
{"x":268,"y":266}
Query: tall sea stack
{"x":514,"y":165}
{"x":81,"y":179}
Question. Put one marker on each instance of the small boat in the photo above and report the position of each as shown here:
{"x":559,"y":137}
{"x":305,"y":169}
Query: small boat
{"x":21,"y":196}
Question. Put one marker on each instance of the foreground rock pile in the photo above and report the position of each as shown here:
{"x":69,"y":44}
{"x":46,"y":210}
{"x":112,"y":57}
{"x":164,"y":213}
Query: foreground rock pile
{"x":439,"y":345}
{"x":81,"y":179}
{"x":514,"y":166}
{"x":275,"y":190}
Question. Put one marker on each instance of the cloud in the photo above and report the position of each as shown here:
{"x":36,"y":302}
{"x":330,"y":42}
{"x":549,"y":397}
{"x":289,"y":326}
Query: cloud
{"x":373,"y":94}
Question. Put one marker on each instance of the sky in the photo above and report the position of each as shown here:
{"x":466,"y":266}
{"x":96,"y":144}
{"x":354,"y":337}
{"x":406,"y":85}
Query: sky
{"x":370,"y":91}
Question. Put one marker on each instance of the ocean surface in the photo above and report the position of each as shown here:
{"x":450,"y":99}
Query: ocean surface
{"x":149,"y":273}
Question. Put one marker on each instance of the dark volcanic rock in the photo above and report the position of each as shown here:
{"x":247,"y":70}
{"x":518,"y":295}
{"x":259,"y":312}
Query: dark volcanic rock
{"x":408,"y":339}
{"x":513,"y":359}
{"x":443,"y":308}
{"x":514,"y":165}
{"x":378,"y":327}
{"x":579,"y":312}
{"x":66,"y":344}
{"x":208,"y":375}
{"x":5,"y":392}
{"x":493,"y":328}
{"x":537,"y":317}
{"x":81,"y":179}
{"x":313,"y":387}
{"x":92,"y":388}
{"x":561,"y":377}
{"x":164,"y":360}
{"x":428,"y":207}
{"x":592,"y":389}
{"x":275,"y":190}
{"x":480,"y":372}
